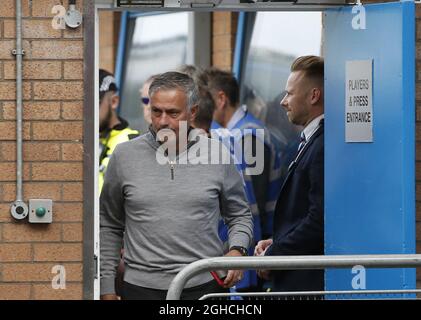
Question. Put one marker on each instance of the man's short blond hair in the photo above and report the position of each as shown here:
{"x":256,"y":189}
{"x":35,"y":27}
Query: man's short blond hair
{"x":312,"y":66}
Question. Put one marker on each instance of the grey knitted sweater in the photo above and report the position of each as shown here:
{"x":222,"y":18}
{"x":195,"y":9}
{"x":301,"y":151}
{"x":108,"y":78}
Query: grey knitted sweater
{"x":167,"y":215}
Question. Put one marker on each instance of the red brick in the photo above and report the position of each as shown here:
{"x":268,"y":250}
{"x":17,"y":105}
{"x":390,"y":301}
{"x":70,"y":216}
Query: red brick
{"x":418,"y":210}
{"x":69,"y":33}
{"x":222,"y":60}
{"x":72,"y":151}
{"x":8,"y":130}
{"x":221,"y":15}
{"x":41,"y":151}
{"x":48,"y":190}
{"x":220,"y":27}
{"x":5,"y":213}
{"x":33,"y":190}
{"x":418,"y":29}
{"x":45,"y":110}
{"x":58,"y":130}
{"x":57,"y":50}
{"x":15,"y":252}
{"x":222,"y":43}
{"x":8,"y":90}
{"x":72,"y":110}
{"x":58,"y":252}
{"x":8,"y":9}
{"x":8,"y":171}
{"x":15,"y":291}
{"x":7,"y":192}
{"x":34,"y":70}
{"x":46,"y":292}
{"x":73,"y":70}
{"x":72,"y":232}
{"x":25,"y":272}
{"x":68,"y":212}
{"x":32,"y":29}
{"x":32,"y":151}
{"x":24,"y":232}
{"x":418,"y":10}
{"x":50,"y":171}
{"x":43,"y":8}
{"x":6,"y":47}
{"x":72,"y":191}
{"x":418,"y":49}
{"x":418,"y":191}
{"x":418,"y":171}
{"x":58,"y":90}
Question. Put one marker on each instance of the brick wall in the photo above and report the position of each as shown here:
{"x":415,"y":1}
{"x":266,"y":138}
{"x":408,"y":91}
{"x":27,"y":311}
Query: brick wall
{"x":53,"y":143}
{"x":224,"y":29}
{"x":53,"y":150}
{"x":109,"y":27}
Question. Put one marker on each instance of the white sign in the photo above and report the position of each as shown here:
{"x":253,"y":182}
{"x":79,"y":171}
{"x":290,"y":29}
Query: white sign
{"x":359,"y":101}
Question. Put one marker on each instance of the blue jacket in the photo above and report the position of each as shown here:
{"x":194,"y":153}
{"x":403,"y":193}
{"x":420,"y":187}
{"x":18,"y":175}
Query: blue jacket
{"x":245,"y":126}
{"x":299,"y":217}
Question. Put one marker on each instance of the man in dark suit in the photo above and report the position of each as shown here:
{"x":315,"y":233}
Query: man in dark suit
{"x":299,"y":213}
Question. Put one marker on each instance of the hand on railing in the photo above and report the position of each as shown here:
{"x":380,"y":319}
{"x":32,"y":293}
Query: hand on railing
{"x":260,"y":250}
{"x":262,"y":246}
{"x":233,"y":276}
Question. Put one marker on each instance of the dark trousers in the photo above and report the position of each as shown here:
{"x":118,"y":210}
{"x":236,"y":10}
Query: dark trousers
{"x":133,"y":292}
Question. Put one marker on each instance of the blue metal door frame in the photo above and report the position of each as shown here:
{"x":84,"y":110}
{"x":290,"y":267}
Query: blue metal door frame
{"x":370,"y":187}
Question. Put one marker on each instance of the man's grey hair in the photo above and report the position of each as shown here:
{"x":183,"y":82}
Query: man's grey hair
{"x":176,"y":80}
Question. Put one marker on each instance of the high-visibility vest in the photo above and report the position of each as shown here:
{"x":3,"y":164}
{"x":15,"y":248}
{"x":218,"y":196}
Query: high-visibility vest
{"x":108,"y":144}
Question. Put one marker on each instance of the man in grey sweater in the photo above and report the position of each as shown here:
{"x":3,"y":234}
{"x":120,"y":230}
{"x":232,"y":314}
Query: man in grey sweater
{"x":167,"y":212}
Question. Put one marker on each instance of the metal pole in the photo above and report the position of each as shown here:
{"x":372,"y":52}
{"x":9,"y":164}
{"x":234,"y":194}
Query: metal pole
{"x":19,"y":99}
{"x":19,"y":209}
{"x":309,"y":293}
{"x":288,"y":263}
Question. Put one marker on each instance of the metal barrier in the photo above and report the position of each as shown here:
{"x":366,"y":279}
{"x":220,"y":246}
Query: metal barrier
{"x":292,"y":263}
{"x":318,"y":295}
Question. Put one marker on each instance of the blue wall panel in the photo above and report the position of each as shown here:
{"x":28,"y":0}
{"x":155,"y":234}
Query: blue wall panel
{"x":370,"y":187}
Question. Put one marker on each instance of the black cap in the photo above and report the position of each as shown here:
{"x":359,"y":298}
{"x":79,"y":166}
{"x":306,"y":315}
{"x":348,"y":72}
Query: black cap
{"x":106,"y":82}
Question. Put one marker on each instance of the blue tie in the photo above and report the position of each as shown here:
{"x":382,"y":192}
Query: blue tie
{"x":302,"y":141}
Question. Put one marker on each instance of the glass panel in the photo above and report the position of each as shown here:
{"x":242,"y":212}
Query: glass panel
{"x":277,"y":39}
{"x":158,"y":44}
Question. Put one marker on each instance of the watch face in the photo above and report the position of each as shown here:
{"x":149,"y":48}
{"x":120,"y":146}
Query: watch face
{"x":242,"y":250}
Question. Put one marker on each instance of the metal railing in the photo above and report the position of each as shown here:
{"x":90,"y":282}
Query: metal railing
{"x":291,"y":263}
{"x":317,"y":295}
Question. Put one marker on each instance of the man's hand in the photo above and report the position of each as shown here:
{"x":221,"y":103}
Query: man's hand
{"x":260,"y":250}
{"x":264,"y":274}
{"x":262,"y":246}
{"x":233,"y":276}
{"x":110,"y":297}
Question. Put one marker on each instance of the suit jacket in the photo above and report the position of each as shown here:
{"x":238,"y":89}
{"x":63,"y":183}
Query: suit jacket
{"x":299,"y":217}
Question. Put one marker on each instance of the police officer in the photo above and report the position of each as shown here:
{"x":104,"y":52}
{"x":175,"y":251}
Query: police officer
{"x":113,"y":129}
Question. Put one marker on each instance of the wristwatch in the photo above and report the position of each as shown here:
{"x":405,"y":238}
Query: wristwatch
{"x":244,"y":252}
